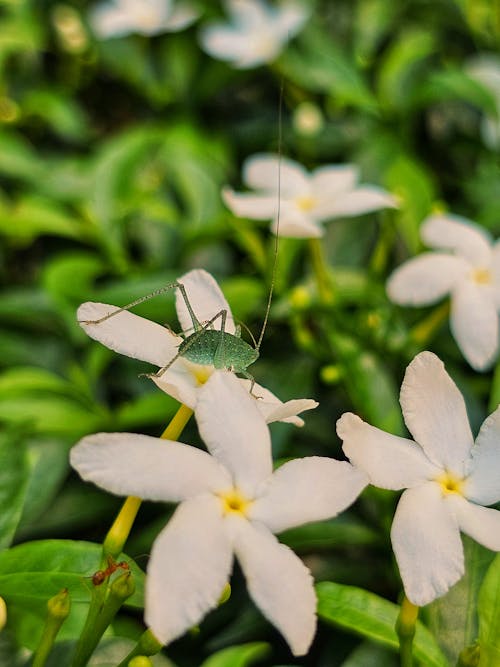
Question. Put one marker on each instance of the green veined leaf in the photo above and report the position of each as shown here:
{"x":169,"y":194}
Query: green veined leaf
{"x":489,"y":616}
{"x":238,"y":656}
{"x":13,"y":479}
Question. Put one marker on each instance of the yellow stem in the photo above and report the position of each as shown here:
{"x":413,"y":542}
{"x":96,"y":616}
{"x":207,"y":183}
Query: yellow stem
{"x":122,"y":525}
{"x":321,"y":272}
{"x":423,"y":332}
{"x":405,"y":629}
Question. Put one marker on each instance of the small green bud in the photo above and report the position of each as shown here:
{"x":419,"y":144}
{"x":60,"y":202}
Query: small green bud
{"x":469,"y":656}
{"x":3,"y":613}
{"x":59,"y":606}
{"x":140,"y":661}
{"x":300,"y":297}
{"x":123,"y":586}
{"x":331,"y":374}
{"x":308,"y":119}
{"x":226,"y":594}
{"x":148,"y":644}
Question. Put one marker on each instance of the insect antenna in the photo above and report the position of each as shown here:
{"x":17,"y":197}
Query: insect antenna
{"x":276,"y":239}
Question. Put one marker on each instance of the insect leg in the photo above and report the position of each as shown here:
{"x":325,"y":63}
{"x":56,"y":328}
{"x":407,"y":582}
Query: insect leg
{"x":196,"y":336}
{"x":219,"y":356}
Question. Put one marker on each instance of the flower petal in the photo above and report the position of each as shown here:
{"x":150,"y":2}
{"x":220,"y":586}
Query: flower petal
{"x":108,"y":20}
{"x":332,"y":180}
{"x":456,"y":233}
{"x":480,"y":523}
{"x":269,"y":172}
{"x":435,"y":414}
{"x":365,"y":199}
{"x":474,"y":324}
{"x":249,"y":205}
{"x":183,"y":381}
{"x":189,"y":566}
{"x":225,"y":43}
{"x":206,"y":299}
{"x":425,"y":279}
{"x":289,"y":19}
{"x":129,"y":334}
{"x":390,"y":462}
{"x":293,"y":225}
{"x":426,"y":542}
{"x":305,"y":490}
{"x":495,"y":269}
{"x":182,"y":15}
{"x":483,"y":481}
{"x":279,"y":583}
{"x":234,"y":430}
{"x":129,"y":464}
{"x":275,"y":410}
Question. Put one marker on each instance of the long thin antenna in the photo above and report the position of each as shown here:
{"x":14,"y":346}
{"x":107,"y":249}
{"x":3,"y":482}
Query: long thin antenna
{"x":277,"y":232}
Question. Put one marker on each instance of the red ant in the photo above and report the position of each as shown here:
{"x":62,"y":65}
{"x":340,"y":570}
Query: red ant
{"x":100,"y":576}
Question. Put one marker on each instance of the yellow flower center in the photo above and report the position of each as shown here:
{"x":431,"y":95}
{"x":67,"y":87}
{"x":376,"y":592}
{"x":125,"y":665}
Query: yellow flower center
{"x":234,"y":501}
{"x":200,"y":372}
{"x":482,"y":276}
{"x":306,"y":203}
{"x":450,"y":483}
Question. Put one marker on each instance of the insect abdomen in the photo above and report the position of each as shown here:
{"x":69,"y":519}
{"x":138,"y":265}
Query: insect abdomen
{"x":204,"y":348}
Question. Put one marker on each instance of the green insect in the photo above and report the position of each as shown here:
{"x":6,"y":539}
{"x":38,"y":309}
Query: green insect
{"x":206,"y":345}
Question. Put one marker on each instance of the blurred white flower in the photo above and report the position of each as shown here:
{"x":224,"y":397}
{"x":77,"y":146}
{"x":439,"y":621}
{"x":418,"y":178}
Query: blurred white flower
{"x":448,"y":478}
{"x":307,"y":199}
{"x":485,"y":69}
{"x":142,"y":339}
{"x":257,"y":32}
{"x":468,"y":270}
{"x":117,"y":18}
{"x":231,"y":502}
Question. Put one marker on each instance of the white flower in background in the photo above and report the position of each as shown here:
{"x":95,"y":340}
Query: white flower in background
{"x":117,"y":18}
{"x":307,"y":199}
{"x":142,"y":339}
{"x":448,"y":478}
{"x":257,"y":33}
{"x":485,"y":69}
{"x":231,"y":502}
{"x":468,"y":269}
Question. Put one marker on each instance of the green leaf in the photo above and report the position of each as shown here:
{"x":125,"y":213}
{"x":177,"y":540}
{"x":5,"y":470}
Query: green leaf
{"x":238,"y":656}
{"x":60,"y":112}
{"x":32,"y":573}
{"x":13,"y":480}
{"x":454,"y":84}
{"x":340,"y":531}
{"x":373,"y":617}
{"x":489,"y":616}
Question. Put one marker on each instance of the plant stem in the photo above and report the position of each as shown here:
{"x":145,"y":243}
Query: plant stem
{"x":58,"y":608}
{"x":146,"y":646}
{"x":405,"y":629}
{"x":423,"y":332}
{"x":321,"y":272}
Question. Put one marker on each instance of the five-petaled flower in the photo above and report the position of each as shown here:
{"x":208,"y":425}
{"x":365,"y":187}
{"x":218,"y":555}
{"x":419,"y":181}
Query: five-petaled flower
{"x":230,"y":502}
{"x":257,"y":32}
{"x":306,"y":199}
{"x":140,"y":338}
{"x":117,"y":18}
{"x":468,"y":268}
{"x":448,"y":478}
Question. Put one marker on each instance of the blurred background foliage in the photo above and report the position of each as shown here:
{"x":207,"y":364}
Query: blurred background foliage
{"x":112,"y":158}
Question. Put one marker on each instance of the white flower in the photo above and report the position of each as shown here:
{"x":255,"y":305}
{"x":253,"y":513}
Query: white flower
{"x":448,"y":478}
{"x":140,"y":338}
{"x":231,"y":502}
{"x":485,"y":69}
{"x":468,"y":270}
{"x":146,"y":17}
{"x":257,"y":33}
{"x":307,"y":199}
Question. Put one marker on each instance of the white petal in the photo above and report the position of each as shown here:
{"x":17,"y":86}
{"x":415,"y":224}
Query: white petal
{"x":308,"y":489}
{"x":289,"y":19}
{"x":495,"y":269}
{"x":107,"y":20}
{"x":224,"y":43}
{"x":480,"y":523}
{"x":332,"y":180}
{"x":365,"y":199}
{"x":390,"y":462}
{"x":426,"y":542}
{"x":129,"y":334}
{"x":234,"y":430}
{"x":247,"y":14}
{"x":182,"y":381}
{"x":474,"y":324}
{"x":295,"y":226}
{"x":189,"y":566}
{"x":130,"y":464}
{"x":266,"y":171}
{"x":483,"y":482}
{"x":275,"y":410}
{"x":459,"y":234}
{"x":206,"y":299}
{"x":425,"y":279}
{"x":279,"y":584}
{"x":181,"y":17}
{"x":435,"y":414}
{"x":251,"y":206}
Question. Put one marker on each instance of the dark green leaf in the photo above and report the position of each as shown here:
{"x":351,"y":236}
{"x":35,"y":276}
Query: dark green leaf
{"x":238,"y":656}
